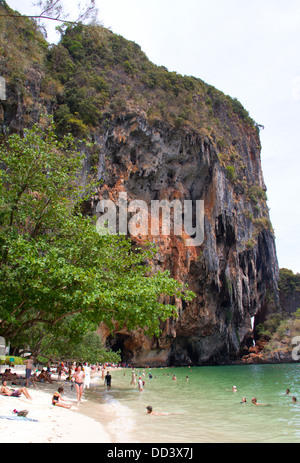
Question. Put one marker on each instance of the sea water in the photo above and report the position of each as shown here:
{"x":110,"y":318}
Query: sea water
{"x":200,"y":406}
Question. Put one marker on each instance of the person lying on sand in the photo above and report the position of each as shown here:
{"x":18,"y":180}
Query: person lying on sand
{"x":14,"y":392}
{"x":57,"y":399}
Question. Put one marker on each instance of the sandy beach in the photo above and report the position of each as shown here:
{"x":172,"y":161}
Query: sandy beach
{"x":54,"y":424}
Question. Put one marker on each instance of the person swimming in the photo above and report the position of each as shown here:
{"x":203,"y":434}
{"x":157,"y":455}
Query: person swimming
{"x":254,"y":401}
{"x":151,"y":412}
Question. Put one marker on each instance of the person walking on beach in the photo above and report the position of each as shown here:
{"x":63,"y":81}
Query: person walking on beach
{"x":28,"y":370}
{"x":87,"y":378}
{"x":107,"y":380}
{"x":78,"y":377}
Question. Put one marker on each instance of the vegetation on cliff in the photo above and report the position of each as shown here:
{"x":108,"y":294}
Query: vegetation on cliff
{"x":101,"y":75}
{"x":277,"y":332}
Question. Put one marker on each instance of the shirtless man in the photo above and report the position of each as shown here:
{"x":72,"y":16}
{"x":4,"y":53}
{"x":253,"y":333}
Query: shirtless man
{"x":29,"y":367}
{"x":14,"y":393}
{"x":78,"y":377}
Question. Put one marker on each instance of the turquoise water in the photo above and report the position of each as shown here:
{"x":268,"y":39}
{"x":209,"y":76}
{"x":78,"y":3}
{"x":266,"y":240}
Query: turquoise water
{"x":202,"y":409}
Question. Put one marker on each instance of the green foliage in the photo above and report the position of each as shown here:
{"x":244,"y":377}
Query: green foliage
{"x":263,"y":223}
{"x":239,"y":109}
{"x":288,"y":281}
{"x":230,"y":172}
{"x":58,"y":277}
{"x":21,"y":45}
{"x":5,"y":360}
{"x":270,"y":326}
{"x":279,"y":330}
{"x":89,"y":52}
{"x":90,"y":350}
{"x":257,"y":194}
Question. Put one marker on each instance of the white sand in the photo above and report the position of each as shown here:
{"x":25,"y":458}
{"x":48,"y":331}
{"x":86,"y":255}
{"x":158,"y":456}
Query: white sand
{"x":55,"y":424}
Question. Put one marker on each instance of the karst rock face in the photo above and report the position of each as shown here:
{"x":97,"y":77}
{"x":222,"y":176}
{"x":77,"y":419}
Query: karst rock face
{"x":233,"y":273}
{"x":159,"y":136}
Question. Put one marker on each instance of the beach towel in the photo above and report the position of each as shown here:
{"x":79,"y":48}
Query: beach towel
{"x":17,"y":418}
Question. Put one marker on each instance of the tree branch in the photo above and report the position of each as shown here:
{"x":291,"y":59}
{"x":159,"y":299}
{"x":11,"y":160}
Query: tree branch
{"x":39,"y":17}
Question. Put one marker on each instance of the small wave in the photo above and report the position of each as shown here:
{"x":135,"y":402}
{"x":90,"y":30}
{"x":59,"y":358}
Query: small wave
{"x":123,"y":424}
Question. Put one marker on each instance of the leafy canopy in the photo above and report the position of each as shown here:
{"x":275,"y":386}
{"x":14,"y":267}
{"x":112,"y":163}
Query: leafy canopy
{"x":57,"y":274}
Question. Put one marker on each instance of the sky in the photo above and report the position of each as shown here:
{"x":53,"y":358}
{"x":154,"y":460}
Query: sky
{"x":248,"y":49}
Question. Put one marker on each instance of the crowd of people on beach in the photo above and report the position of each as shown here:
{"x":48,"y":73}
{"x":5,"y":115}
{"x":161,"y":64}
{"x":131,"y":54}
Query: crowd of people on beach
{"x":79,"y":374}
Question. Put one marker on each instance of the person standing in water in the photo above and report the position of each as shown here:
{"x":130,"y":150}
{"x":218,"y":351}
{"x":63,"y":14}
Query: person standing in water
{"x":78,"y":377}
{"x":140,"y":383}
{"x":133,"y":378}
{"x":108,"y":380}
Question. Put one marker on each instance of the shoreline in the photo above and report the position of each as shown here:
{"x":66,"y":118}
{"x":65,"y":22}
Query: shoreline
{"x":53,"y":424}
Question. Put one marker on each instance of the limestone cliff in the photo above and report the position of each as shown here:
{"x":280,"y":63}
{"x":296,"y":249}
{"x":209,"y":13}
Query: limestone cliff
{"x":159,"y":135}
{"x":233,"y":273}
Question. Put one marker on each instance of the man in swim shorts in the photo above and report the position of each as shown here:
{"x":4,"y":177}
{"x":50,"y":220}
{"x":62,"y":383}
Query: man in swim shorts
{"x":13,"y":392}
{"x":28,"y":370}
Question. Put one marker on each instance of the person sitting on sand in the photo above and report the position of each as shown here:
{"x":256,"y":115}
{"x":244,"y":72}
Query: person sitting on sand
{"x":4,"y":390}
{"x":254,"y":401}
{"x":9,"y":376}
{"x":43,"y":377}
{"x":57,"y":399}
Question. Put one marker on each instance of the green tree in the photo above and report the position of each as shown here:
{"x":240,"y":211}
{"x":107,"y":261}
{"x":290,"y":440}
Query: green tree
{"x":56,"y":271}
{"x":90,"y":350}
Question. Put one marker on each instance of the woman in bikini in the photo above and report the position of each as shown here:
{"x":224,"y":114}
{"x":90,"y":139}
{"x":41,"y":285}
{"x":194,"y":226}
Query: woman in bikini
{"x":78,"y":377}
